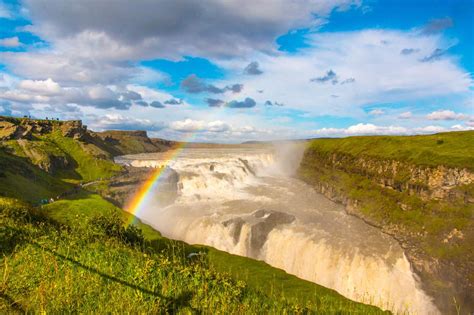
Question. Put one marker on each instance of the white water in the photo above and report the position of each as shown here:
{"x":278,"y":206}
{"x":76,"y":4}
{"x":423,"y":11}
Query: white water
{"x":244,"y":201}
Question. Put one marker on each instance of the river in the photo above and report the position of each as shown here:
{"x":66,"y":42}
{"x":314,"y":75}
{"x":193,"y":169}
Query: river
{"x":246,"y":201}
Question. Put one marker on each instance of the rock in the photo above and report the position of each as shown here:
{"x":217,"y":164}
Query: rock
{"x":73,"y":129}
{"x":261,"y":223}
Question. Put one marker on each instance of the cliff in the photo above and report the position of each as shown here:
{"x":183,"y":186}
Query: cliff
{"x":418,"y":189}
{"x":42,"y":158}
{"x":42,"y":141}
{"x":132,"y":142}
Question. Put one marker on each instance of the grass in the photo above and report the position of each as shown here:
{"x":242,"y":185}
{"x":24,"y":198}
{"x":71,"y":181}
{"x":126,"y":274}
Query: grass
{"x":61,"y":260}
{"x":20,"y":179}
{"x":352,"y":170}
{"x":452,"y":149}
{"x":88,"y":166}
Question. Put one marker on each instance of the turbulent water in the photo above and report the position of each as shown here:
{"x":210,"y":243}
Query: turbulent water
{"x":244,"y":200}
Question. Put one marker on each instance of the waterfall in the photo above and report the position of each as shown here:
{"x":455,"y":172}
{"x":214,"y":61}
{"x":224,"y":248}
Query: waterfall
{"x":243,"y":201}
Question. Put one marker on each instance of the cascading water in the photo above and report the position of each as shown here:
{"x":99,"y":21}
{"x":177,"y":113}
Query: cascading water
{"x":243,"y":200}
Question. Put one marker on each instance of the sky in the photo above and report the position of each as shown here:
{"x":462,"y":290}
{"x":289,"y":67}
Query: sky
{"x":232,"y":71}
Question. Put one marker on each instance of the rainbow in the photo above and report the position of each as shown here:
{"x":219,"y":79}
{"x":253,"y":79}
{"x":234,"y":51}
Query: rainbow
{"x":140,"y":198}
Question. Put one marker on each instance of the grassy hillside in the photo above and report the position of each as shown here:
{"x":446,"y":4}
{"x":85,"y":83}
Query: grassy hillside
{"x":76,"y":255}
{"x":395,"y":183}
{"x":452,"y":149}
{"x":132,"y":142}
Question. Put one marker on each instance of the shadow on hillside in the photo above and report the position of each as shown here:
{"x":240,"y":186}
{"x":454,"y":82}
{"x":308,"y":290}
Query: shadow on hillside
{"x":181,"y":301}
{"x":14,"y":306}
{"x":22,"y":167}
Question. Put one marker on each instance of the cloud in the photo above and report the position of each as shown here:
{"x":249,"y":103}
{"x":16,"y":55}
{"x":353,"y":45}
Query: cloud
{"x":330,"y":76}
{"x":408,"y":51}
{"x":193,"y":84}
{"x":253,"y":69}
{"x":247,"y":103}
{"x":212,"y":102}
{"x":173,"y":29}
{"x":43,"y":87}
{"x":383,"y":74}
{"x":67,"y":68}
{"x":217,"y":126}
{"x":50,"y":92}
{"x":437,"y":25}
{"x":235,"y":88}
{"x":371,"y":129}
{"x":141,"y":103}
{"x":131,"y":96}
{"x":10,"y":42}
{"x":190,"y":125}
{"x":116,"y":121}
{"x":446,"y":115}
{"x":405,"y":115}
{"x":173,"y":101}
{"x":435,"y":55}
{"x":270,"y":103}
{"x":5,"y":109}
{"x":377,"y":112}
{"x":4,"y":12}
{"x":157,"y":104}
{"x":347,"y":81}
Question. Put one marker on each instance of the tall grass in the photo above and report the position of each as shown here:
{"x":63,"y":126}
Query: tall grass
{"x":106,"y":267}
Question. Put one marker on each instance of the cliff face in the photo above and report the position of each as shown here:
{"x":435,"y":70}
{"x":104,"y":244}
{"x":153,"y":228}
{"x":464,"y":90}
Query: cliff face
{"x":25,"y":128}
{"x":438,"y":182}
{"x":132,"y":142}
{"x":428,"y":208}
{"x":41,"y":143}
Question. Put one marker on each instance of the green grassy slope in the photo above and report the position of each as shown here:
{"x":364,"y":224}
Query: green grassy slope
{"x":452,"y":149}
{"x":87,"y":165}
{"x":64,"y":258}
{"x":20,"y":179}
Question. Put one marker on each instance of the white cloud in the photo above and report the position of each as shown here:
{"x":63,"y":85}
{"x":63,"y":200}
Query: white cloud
{"x":10,"y":42}
{"x":43,"y":87}
{"x":405,"y":115}
{"x":446,"y":115}
{"x":117,"y":121}
{"x":4,"y":12}
{"x":377,"y":112}
{"x":371,"y":129}
{"x":190,"y":125}
{"x":370,"y":57}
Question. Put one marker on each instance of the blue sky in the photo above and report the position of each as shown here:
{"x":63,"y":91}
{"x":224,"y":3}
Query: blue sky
{"x":231,"y":71}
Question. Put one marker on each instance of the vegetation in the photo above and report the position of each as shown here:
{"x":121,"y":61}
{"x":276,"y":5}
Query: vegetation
{"x":96,"y":264}
{"x":87,"y":165}
{"x":353,"y":170}
{"x":76,"y":254}
{"x":452,"y":149}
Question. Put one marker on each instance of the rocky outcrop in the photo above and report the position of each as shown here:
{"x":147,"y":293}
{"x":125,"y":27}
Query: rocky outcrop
{"x":427,"y":182}
{"x":73,"y":129}
{"x":132,"y":142}
{"x":381,"y":191}
{"x":261,"y":223}
{"x":25,"y":128}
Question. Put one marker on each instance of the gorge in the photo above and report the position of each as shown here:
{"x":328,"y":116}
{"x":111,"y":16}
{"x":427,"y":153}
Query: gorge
{"x":246,"y":200}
